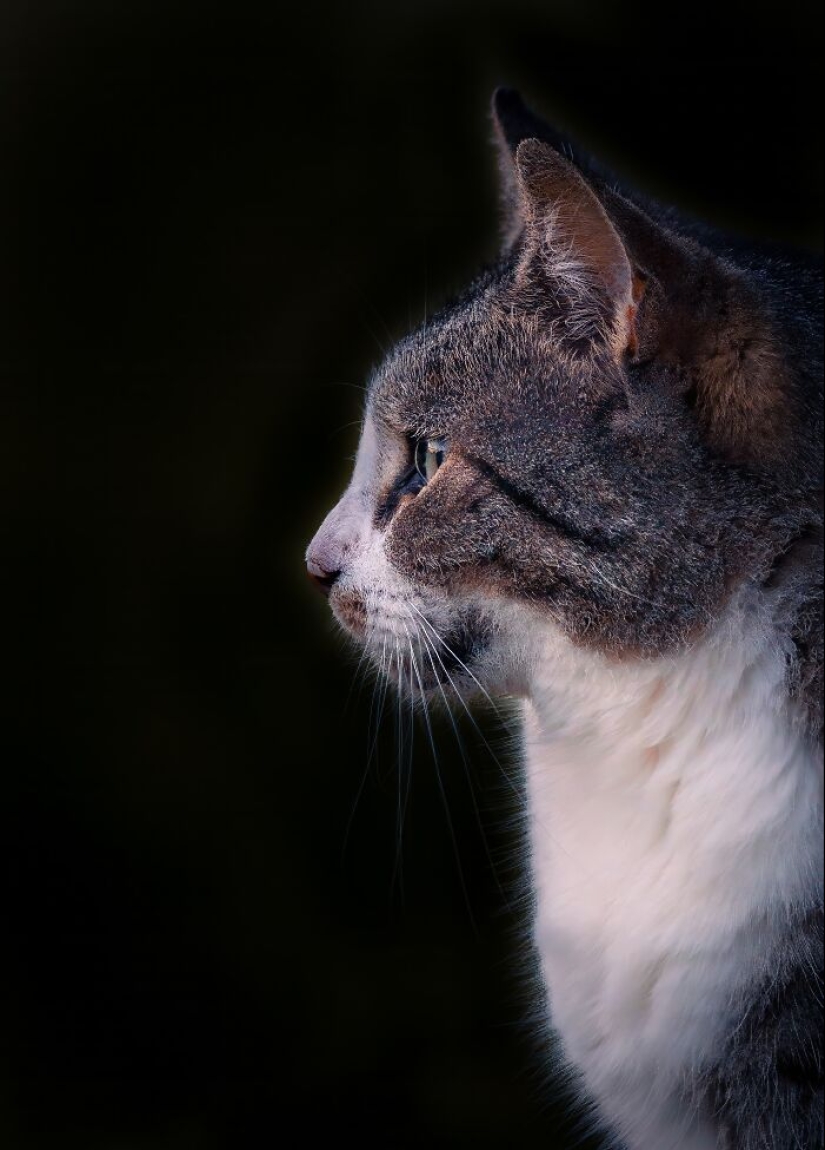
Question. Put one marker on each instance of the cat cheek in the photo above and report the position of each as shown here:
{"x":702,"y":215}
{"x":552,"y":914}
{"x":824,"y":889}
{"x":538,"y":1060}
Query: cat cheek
{"x":414,"y":545}
{"x":404,"y":502}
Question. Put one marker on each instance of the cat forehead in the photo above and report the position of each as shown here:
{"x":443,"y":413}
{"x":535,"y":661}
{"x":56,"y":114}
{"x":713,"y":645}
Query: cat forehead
{"x":432,"y":367}
{"x":485,"y":354}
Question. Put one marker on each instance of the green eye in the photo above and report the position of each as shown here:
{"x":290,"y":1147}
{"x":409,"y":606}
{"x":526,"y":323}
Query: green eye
{"x":429,"y":455}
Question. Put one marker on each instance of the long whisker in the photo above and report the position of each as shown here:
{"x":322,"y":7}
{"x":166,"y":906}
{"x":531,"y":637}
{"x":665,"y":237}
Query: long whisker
{"x":451,"y":652}
{"x":406,"y":765}
{"x":442,"y":791}
{"x":379,"y":690}
{"x":397,"y":878}
{"x":405,"y":768}
{"x":358,"y":679}
{"x":517,"y":791}
{"x":467,"y":772}
{"x":405,"y":801}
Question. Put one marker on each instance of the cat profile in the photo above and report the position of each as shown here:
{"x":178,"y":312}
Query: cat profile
{"x":594,"y":483}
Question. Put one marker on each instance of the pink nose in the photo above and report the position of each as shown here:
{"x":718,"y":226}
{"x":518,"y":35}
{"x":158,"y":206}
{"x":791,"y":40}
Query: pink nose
{"x":324,"y":580}
{"x":327,"y":554}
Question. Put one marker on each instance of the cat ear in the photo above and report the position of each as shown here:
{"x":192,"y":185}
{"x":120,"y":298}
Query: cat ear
{"x":514,"y":121}
{"x":569,"y":234}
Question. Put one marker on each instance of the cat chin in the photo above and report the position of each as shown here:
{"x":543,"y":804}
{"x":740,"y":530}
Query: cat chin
{"x":411,"y":676}
{"x":350,"y":610}
{"x":422,"y":690}
{"x":418,"y":671}
{"x":436,"y":651}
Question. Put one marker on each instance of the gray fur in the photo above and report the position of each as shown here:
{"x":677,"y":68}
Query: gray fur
{"x":767,"y":1084}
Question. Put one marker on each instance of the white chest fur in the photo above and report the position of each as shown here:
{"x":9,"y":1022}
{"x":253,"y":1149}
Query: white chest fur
{"x":675,"y":816}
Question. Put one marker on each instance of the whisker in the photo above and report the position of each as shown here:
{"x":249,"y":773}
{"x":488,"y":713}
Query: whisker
{"x":358,"y":679}
{"x":362,"y":387}
{"x":451,"y":652}
{"x":380,"y":688}
{"x":442,"y":791}
{"x":468,"y":773}
{"x":377,"y":712}
{"x":397,"y":877}
{"x":518,"y":791}
{"x":410,"y":761}
{"x":344,"y":427}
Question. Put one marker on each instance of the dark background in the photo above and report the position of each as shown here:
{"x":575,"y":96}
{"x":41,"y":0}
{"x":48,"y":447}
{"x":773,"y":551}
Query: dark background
{"x":211,"y":219}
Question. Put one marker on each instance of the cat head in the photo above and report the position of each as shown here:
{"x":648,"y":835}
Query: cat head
{"x":592,"y":443}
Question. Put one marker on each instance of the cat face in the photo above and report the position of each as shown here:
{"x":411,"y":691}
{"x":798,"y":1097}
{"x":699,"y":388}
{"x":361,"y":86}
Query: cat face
{"x":545,"y":457}
{"x":504,"y":484}
{"x":430,"y":635}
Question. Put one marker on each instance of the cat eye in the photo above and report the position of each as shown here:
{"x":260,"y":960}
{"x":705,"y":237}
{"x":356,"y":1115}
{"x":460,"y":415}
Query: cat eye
{"x":429,"y":455}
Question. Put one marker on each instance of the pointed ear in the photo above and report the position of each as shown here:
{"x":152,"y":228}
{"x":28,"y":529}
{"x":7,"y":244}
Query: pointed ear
{"x":569,"y":234}
{"x":514,"y":121}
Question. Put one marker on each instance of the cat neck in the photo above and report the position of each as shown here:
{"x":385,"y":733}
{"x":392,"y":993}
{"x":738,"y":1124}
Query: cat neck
{"x":697,"y":750}
{"x":675,"y":819}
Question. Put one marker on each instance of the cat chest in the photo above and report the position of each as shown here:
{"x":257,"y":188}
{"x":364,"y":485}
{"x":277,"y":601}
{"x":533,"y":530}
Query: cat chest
{"x":657,"y":872}
{"x":634,"y":947}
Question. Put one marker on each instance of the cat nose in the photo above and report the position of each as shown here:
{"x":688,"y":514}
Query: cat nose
{"x":324,"y":580}
{"x":328,"y":554}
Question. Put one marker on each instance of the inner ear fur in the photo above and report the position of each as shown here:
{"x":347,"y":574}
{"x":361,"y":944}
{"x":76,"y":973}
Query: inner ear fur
{"x":567,"y":228}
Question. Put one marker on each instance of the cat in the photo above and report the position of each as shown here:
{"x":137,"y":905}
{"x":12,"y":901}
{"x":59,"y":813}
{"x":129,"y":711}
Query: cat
{"x":593,"y":483}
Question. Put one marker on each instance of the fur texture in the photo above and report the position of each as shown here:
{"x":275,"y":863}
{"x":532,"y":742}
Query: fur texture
{"x":676,"y":822}
{"x":594,"y":482}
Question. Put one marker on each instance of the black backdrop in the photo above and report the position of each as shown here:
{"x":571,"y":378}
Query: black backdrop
{"x":212,"y":217}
